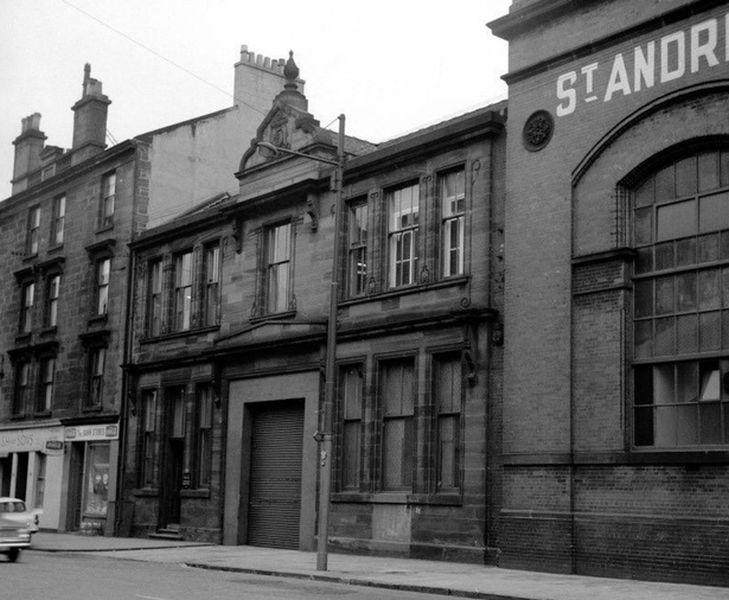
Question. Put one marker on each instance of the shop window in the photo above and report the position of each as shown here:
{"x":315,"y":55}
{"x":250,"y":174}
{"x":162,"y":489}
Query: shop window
{"x":22,"y":387}
{"x":204,"y":441}
{"x":108,"y":200}
{"x":403,"y":212}
{"x":95,"y":384}
{"x":44,"y":401}
{"x":351,"y":388}
{"x":211,"y":290}
{"x":154,"y":297}
{"x":357,"y":259}
{"x":27,"y":295}
{"x":149,"y":432}
{"x":182,"y":299}
{"x":53,"y":290}
{"x":452,"y":207}
{"x":397,"y":402}
{"x":278,"y":268}
{"x":447,"y":398}
{"x":103,"y":278}
{"x":59,"y":220}
{"x":40,"y":479}
{"x":681,"y":305}
{"x":97,"y":480}
{"x":33,"y":233}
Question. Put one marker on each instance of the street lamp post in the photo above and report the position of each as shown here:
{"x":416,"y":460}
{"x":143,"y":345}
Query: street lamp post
{"x":324,"y":437}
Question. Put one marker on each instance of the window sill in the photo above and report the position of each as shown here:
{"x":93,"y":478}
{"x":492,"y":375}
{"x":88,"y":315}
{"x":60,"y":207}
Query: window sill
{"x":29,"y":257}
{"x":195,"y":493}
{"x":98,"y":320}
{"x":42,"y":414}
{"x":49,"y":331}
{"x":145,"y":492}
{"x":274,"y":316}
{"x":444,"y":499}
{"x":23,"y":339}
{"x":179,"y":334}
{"x":104,"y":228}
{"x":410,"y":289}
{"x":55,"y":249}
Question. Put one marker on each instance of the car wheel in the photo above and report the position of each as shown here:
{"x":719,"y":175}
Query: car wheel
{"x":13,"y":554}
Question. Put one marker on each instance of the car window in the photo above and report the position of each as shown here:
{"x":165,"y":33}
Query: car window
{"x":12,"y":507}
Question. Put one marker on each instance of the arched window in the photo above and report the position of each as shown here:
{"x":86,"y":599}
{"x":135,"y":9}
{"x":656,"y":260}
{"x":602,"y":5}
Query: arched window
{"x":681,"y":304}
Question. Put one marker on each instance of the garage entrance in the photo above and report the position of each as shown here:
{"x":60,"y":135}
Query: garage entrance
{"x":274,"y":505}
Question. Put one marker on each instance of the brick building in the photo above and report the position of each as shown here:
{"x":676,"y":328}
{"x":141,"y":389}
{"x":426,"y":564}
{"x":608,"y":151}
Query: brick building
{"x":418,"y":356}
{"x":66,"y":271}
{"x":616,"y":384}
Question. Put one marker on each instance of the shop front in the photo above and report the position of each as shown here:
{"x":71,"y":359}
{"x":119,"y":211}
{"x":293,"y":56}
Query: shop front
{"x":31,"y":467}
{"x":91,"y":450}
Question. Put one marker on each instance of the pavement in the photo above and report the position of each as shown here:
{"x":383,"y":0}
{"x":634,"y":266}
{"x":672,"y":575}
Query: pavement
{"x":433,"y":577}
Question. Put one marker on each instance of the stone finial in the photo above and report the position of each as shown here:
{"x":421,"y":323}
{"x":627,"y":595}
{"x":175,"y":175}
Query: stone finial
{"x":291,"y":72}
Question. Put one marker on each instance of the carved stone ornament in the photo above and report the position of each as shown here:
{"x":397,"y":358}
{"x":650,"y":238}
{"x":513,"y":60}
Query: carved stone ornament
{"x":538,"y":130}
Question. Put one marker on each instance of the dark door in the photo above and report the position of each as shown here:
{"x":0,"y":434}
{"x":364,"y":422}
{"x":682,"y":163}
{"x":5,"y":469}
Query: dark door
{"x":21,"y":475}
{"x":274,"y":505}
{"x":6,"y":466}
{"x":173,"y":457}
{"x":75,"y":487}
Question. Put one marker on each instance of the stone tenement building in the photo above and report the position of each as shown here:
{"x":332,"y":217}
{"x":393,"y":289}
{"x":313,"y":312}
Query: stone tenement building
{"x":616,"y":366}
{"x":64,"y":237}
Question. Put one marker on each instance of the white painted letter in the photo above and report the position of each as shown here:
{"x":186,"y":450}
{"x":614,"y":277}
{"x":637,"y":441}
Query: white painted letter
{"x":679,"y":40}
{"x":618,"y":79}
{"x":569,"y":94}
{"x":587,"y":72}
{"x":644,"y":67}
{"x":707,"y":49}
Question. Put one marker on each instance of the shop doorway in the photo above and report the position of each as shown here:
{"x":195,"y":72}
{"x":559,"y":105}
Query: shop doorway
{"x":172,"y":459}
{"x":75,"y":487}
{"x":274,"y":503}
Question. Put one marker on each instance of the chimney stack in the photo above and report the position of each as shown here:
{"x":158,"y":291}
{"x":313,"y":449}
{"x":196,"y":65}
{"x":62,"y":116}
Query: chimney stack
{"x":89,"y":121}
{"x":28,"y":148}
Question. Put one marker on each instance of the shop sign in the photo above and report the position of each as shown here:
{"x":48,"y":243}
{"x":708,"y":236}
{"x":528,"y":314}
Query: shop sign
{"x":27,"y":440}
{"x":700,"y":47}
{"x":90,"y":433}
{"x":54,"y":447}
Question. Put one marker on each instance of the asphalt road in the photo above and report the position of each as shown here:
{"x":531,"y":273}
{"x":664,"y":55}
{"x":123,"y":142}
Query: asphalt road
{"x":57,"y":576}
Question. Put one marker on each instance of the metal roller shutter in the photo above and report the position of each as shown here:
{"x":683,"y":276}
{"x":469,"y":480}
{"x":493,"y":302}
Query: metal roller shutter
{"x":275,"y":474}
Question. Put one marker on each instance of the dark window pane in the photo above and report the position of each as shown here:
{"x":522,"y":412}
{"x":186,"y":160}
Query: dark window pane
{"x":644,"y":260}
{"x":665,"y":187}
{"x":643,"y":393}
{"x":644,"y":426}
{"x":709,"y":291}
{"x":685,"y":252}
{"x":664,"y":256}
{"x":664,"y":295}
{"x":708,"y":171}
{"x":686,"y":177}
{"x":709,"y":331}
{"x":644,"y":298}
{"x":714,"y":212}
{"x":725,"y":287}
{"x":710,"y":417}
{"x":687,"y":427}
{"x":676,"y":220}
{"x":644,"y":194}
{"x":687,"y":333}
{"x":709,"y":247}
{"x":725,"y":329}
{"x":643,"y":339}
{"x":644,"y":226}
{"x":685,"y":292}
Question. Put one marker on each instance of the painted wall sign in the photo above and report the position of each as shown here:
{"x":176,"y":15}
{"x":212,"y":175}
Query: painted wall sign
{"x":700,"y":47}
{"x":90,"y":433}
{"x":28,"y":440}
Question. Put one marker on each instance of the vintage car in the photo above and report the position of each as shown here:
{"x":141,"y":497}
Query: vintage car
{"x":15,"y":527}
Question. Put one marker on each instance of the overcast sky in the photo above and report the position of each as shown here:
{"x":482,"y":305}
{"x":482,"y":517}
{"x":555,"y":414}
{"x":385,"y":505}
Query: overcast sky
{"x":392,"y":66}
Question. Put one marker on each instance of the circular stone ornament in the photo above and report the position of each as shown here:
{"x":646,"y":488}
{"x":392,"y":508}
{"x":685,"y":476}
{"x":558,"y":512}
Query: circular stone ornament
{"x":538,"y":130}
